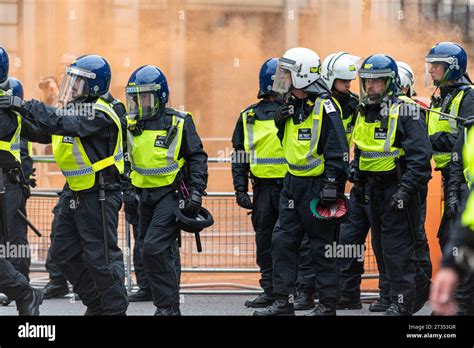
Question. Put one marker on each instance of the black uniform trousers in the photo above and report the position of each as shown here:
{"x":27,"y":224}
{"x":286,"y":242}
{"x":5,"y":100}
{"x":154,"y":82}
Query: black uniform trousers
{"x":266,"y":198}
{"x":294,"y":221}
{"x":78,"y":251}
{"x":160,"y":252}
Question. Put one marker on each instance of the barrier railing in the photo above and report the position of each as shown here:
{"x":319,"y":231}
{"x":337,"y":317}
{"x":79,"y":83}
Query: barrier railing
{"x":228,"y":245}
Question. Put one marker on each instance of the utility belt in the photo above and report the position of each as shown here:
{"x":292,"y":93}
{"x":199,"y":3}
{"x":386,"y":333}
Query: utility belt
{"x":380,"y":179}
{"x":266,"y":181}
{"x":111,"y":183}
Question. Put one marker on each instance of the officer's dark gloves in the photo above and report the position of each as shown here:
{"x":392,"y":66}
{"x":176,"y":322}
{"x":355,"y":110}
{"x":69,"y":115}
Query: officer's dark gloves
{"x":451,"y":204}
{"x":11,"y":102}
{"x":193,"y":204}
{"x":442,"y":142}
{"x":328,"y":193}
{"x":32,"y":179}
{"x":283,"y":113}
{"x":130,"y":202}
{"x":400,"y":199}
{"x":243,"y":200}
{"x":469,"y":122}
{"x":354,"y":174}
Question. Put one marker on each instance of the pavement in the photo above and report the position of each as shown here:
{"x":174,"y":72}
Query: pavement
{"x":191,"y":304}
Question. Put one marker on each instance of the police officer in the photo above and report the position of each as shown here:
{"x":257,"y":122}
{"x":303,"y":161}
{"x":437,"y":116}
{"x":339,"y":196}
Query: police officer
{"x":57,"y":286}
{"x":166,"y":154}
{"x":20,"y":232}
{"x":392,"y":165}
{"x":458,"y":193}
{"x":316,"y":149}
{"x":13,"y":283}
{"x":337,"y":72}
{"x":407,"y":93}
{"x":446,"y":67}
{"x":458,"y":256}
{"x":87,"y":145}
{"x":258,"y":153}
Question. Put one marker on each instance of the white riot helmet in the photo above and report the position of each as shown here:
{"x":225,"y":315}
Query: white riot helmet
{"x":407,"y":78}
{"x":341,"y":66}
{"x":299,"y":67}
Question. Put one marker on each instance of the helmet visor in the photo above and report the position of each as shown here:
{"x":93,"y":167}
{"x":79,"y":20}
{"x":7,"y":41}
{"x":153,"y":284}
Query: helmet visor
{"x":436,"y":70}
{"x":282,"y":81}
{"x":74,"y":85}
{"x":142,"y":102}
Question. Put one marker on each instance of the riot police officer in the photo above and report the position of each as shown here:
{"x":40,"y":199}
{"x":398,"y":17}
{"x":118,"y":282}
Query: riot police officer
{"x":258,"y":154}
{"x":13,"y":283}
{"x":392,"y":165}
{"x":167,"y":157}
{"x":446,"y":64}
{"x":316,"y":150}
{"x":451,"y":292}
{"x":87,"y":145}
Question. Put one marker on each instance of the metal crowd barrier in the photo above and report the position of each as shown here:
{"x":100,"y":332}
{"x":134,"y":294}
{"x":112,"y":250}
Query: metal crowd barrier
{"x":228,"y":245}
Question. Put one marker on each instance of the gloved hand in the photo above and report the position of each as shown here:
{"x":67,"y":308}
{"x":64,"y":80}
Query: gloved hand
{"x":243,"y":200}
{"x":283,"y":113}
{"x":354,"y":174}
{"x":193,"y":204}
{"x":400,"y":199}
{"x":328,"y":193}
{"x":451,"y":204}
{"x":469,"y":122}
{"x":32,"y":179}
{"x":11,"y":102}
{"x":130,"y":201}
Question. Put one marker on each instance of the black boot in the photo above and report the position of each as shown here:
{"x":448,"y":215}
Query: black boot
{"x":349,"y":303}
{"x":4,"y":300}
{"x":93,"y":312}
{"x":55,"y":289}
{"x":322,"y":311}
{"x":304,"y":301}
{"x":261,"y":301}
{"x":30,"y":303}
{"x":279,"y":307}
{"x":381,"y":305}
{"x":397,"y":309}
{"x":140,"y":296}
{"x":172,"y":311}
{"x":422,"y":297}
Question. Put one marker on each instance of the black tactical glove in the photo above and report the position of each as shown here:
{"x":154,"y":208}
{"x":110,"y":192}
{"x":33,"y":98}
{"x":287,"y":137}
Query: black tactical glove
{"x":32,"y":179}
{"x":400,"y":199}
{"x":193,"y":204}
{"x":358,"y":190}
{"x":451,"y":204}
{"x":354,"y":174}
{"x":284,"y":112}
{"x":328,"y":193}
{"x":130,"y":202}
{"x":468,"y":122}
{"x":243,"y":200}
{"x":11,"y":102}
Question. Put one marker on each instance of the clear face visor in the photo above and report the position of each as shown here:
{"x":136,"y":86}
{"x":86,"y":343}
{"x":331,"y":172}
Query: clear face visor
{"x":142,"y":102}
{"x":282,"y":81}
{"x":435,"y":70}
{"x":74,"y":85}
{"x":373,"y":87}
